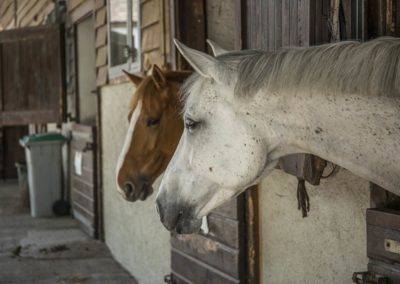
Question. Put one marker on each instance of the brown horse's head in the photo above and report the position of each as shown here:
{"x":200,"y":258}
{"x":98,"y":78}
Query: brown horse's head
{"x":155,"y":127}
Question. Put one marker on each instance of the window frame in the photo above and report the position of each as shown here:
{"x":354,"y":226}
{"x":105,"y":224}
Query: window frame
{"x":130,"y":65}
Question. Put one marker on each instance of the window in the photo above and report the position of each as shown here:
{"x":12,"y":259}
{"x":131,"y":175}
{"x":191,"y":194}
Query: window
{"x":123,"y":36}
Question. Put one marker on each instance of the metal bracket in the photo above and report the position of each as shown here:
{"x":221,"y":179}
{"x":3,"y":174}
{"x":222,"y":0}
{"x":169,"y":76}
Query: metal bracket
{"x":88,"y":147}
{"x":169,"y":279}
{"x":369,"y":278}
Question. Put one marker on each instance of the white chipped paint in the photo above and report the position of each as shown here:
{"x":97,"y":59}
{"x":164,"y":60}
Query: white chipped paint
{"x":204,"y":225}
{"x":128,"y":139}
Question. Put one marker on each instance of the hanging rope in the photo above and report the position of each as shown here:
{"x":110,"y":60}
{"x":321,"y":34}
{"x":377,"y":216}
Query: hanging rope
{"x":303,"y":200}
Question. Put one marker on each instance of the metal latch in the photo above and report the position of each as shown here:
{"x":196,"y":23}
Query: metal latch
{"x":88,"y":147}
{"x":169,"y":279}
{"x":369,"y":278}
{"x":392,"y":246}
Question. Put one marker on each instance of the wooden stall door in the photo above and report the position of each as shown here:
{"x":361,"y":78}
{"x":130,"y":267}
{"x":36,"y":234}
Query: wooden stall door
{"x":83,"y":183}
{"x":227,"y":253}
{"x":85,"y":196}
{"x":31,"y":75}
{"x":10,"y":150}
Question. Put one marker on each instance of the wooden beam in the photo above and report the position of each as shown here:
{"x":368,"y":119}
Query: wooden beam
{"x":381,"y":198}
{"x":85,"y":9}
{"x":101,"y":36}
{"x":9,"y":118}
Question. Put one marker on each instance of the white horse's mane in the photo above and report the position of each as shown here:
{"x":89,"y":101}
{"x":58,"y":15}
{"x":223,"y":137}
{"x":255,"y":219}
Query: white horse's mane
{"x":370,"y":68}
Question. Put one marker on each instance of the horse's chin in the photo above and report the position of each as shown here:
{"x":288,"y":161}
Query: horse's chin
{"x":188,"y":226}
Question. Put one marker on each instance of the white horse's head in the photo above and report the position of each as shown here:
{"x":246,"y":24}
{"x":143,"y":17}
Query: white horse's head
{"x":221,"y":151}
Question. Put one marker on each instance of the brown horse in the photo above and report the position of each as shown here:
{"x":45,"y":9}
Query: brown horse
{"x":155,"y":127}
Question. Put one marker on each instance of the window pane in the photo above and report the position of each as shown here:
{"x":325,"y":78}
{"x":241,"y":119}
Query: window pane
{"x":135,"y":30}
{"x":118,"y":31}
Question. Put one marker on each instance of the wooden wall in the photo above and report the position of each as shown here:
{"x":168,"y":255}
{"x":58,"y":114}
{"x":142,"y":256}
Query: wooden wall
{"x":23,"y":13}
{"x":17,"y":14}
{"x":274,"y":24}
{"x":77,"y":10}
{"x":155,"y":23}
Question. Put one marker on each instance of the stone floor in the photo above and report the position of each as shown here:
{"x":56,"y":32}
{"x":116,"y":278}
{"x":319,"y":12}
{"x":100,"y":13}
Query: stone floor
{"x":50,"y":250}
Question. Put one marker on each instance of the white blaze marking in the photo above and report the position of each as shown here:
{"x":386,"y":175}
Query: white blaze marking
{"x":128,"y":139}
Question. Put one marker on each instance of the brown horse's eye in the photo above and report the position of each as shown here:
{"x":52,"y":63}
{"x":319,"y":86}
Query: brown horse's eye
{"x":130,"y":115}
{"x":152,"y":122}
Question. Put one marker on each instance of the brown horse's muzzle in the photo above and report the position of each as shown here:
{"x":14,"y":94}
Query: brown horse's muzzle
{"x":135,"y":189}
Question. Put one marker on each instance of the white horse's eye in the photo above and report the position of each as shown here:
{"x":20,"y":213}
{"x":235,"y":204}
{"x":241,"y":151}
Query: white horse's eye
{"x":191,"y":124}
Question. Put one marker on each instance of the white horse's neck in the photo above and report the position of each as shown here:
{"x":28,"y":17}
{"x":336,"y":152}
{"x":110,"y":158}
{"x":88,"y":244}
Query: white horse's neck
{"x":359,"y":133}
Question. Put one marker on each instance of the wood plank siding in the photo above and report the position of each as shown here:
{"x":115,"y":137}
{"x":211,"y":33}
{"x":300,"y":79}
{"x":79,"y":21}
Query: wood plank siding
{"x":155,"y":22}
{"x":218,"y":256}
{"x":27,"y":55}
{"x":78,"y":10}
{"x":24,"y":13}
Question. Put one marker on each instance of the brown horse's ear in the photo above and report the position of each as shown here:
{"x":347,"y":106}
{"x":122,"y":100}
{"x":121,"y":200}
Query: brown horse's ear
{"x":158,"y":77}
{"x":134,"y":78}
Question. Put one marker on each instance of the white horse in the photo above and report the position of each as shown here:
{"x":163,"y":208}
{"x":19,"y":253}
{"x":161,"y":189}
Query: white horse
{"x":247,"y":109}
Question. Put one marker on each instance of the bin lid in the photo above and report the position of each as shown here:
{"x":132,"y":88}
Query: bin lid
{"x":43,"y":137}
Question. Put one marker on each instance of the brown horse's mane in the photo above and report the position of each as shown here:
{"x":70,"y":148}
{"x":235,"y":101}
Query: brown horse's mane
{"x":147,"y":87}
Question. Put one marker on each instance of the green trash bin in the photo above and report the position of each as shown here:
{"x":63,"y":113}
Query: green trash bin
{"x":43,"y":159}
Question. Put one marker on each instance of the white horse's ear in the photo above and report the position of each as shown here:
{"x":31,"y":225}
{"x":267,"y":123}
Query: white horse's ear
{"x":203,"y":63}
{"x":216,"y":49}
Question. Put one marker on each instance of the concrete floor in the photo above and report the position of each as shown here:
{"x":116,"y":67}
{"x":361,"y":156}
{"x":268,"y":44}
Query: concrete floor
{"x":50,"y":250}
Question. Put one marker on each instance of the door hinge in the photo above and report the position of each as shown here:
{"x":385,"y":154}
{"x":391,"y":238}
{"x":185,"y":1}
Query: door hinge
{"x":169,"y":278}
{"x":369,"y":278}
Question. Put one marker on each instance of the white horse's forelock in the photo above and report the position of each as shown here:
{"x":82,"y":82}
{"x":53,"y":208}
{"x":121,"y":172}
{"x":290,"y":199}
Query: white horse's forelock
{"x":370,"y":68}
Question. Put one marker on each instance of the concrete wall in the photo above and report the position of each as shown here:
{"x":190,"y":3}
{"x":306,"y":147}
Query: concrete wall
{"x":133,"y":231}
{"x":327,"y":246}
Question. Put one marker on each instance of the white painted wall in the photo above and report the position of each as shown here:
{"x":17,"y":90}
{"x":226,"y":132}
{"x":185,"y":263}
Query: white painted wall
{"x":327,"y":246}
{"x":133,"y":231}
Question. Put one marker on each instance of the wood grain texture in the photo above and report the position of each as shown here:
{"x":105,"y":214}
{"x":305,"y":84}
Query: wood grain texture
{"x":84,"y":189}
{"x":210,"y":252}
{"x":102,"y":76}
{"x":35,"y":14}
{"x":73,"y":4}
{"x":28,"y":55}
{"x":84,"y":9}
{"x":101,"y":36}
{"x":101,"y":17}
{"x":101,"y":56}
{"x":151,"y":38}
{"x":392,"y":271}
{"x":182,"y":265}
{"x":150,"y":13}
